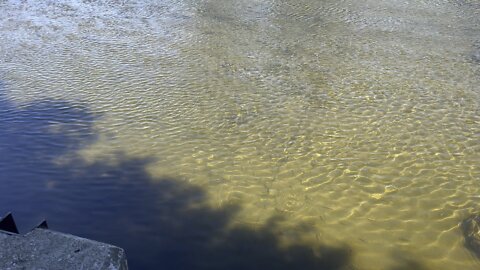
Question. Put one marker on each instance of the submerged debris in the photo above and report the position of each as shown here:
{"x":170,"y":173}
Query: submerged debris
{"x":476,"y":53}
{"x":471,"y":232}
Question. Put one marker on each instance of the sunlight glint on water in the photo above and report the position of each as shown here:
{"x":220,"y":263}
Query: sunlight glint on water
{"x":360,"y":119}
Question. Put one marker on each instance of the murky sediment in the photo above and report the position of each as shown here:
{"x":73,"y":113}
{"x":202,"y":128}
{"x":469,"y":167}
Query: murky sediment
{"x":360,"y":119}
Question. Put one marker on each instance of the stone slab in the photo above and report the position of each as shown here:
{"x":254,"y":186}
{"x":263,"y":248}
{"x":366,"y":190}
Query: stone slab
{"x":43,"y":249}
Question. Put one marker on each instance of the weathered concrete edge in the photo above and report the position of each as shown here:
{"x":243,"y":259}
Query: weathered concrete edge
{"x":46,"y":249}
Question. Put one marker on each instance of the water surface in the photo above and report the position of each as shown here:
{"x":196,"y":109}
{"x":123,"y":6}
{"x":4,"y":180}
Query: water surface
{"x":246,"y":134}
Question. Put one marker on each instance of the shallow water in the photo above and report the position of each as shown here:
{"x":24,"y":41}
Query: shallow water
{"x":346,"y":129}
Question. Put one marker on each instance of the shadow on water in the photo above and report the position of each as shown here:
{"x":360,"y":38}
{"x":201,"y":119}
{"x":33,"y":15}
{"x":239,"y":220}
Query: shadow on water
{"x":162,"y":223}
{"x":167,"y":224}
{"x":32,"y":138}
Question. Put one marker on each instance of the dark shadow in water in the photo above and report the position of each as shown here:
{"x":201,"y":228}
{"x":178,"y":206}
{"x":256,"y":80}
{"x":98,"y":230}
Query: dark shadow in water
{"x":165,"y":223}
{"x":32,"y":137}
{"x":161,"y":223}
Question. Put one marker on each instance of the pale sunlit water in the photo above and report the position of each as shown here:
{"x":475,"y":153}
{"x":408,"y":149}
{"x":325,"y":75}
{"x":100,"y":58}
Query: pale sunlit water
{"x":358,"y":120}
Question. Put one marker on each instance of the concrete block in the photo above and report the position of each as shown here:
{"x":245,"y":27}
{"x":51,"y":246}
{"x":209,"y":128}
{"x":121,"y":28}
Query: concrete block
{"x":43,"y":249}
